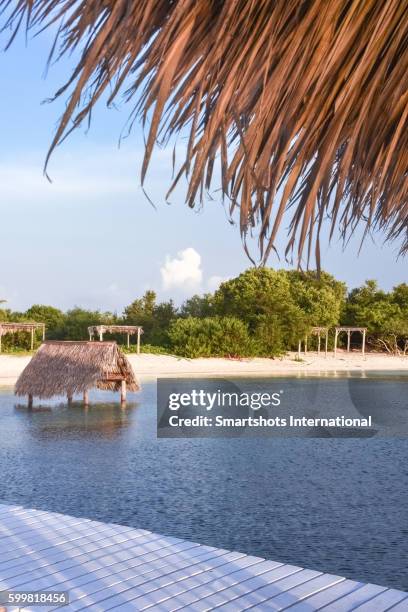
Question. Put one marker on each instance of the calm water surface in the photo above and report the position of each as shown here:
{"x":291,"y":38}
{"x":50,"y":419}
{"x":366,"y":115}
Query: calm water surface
{"x":336,"y":505}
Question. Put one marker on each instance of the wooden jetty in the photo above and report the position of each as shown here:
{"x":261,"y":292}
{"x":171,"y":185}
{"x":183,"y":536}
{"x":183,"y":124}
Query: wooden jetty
{"x":113,"y":567}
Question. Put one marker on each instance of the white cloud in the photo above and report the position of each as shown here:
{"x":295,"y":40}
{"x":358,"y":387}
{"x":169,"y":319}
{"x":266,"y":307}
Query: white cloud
{"x":183,"y":271}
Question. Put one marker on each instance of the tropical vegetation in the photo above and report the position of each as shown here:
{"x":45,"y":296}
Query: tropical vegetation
{"x":261,"y":312}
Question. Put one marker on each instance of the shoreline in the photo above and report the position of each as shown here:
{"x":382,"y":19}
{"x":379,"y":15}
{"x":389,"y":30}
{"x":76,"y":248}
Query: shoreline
{"x":148,"y":366}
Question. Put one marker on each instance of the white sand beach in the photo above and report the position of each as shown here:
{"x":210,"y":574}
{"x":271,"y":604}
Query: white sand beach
{"x":147,"y":366}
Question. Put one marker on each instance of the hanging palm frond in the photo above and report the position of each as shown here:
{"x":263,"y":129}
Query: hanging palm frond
{"x":302,"y":104}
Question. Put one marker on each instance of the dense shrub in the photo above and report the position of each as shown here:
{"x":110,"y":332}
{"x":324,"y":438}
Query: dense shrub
{"x":384,"y":314}
{"x":210,"y":337}
{"x":321,"y":298}
{"x":283,"y":295}
{"x":146,"y":348}
{"x":276,"y":333}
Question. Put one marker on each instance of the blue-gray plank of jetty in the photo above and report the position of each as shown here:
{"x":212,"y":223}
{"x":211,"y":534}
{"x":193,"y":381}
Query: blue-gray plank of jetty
{"x":113,"y":567}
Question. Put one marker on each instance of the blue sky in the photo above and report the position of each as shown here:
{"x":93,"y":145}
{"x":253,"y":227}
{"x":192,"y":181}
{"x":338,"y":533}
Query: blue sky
{"x":91,"y":238}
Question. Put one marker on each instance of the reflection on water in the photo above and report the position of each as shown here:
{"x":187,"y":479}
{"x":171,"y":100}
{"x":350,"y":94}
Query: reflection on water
{"x":101,"y":420}
{"x":336,"y":505}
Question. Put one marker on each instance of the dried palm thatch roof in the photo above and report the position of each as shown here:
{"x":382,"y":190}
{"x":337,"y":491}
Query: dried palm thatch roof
{"x":67,"y":368}
{"x":113,"y":329}
{"x":302,"y":105}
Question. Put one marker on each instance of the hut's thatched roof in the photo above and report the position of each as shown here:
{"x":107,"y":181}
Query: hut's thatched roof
{"x":67,"y":368}
{"x":302,"y":105}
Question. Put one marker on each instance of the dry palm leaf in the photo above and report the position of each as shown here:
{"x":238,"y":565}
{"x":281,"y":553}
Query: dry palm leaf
{"x":302,"y":104}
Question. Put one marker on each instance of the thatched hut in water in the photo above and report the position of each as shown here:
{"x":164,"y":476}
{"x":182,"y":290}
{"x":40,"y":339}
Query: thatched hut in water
{"x":69,"y":368}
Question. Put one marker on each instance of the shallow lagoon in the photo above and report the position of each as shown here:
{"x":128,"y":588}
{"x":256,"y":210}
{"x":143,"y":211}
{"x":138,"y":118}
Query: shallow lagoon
{"x":338,"y":505}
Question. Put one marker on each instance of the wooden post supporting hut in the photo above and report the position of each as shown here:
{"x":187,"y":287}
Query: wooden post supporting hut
{"x":72,"y":368}
{"x":123,"y":392}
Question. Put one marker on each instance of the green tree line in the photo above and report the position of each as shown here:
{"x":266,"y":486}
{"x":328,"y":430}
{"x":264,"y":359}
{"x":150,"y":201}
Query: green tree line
{"x":262,"y":312}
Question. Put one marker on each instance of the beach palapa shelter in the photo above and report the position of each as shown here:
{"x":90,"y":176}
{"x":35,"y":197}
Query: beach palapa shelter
{"x":71,"y":367}
{"x":12,"y":328}
{"x":129,"y":330}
